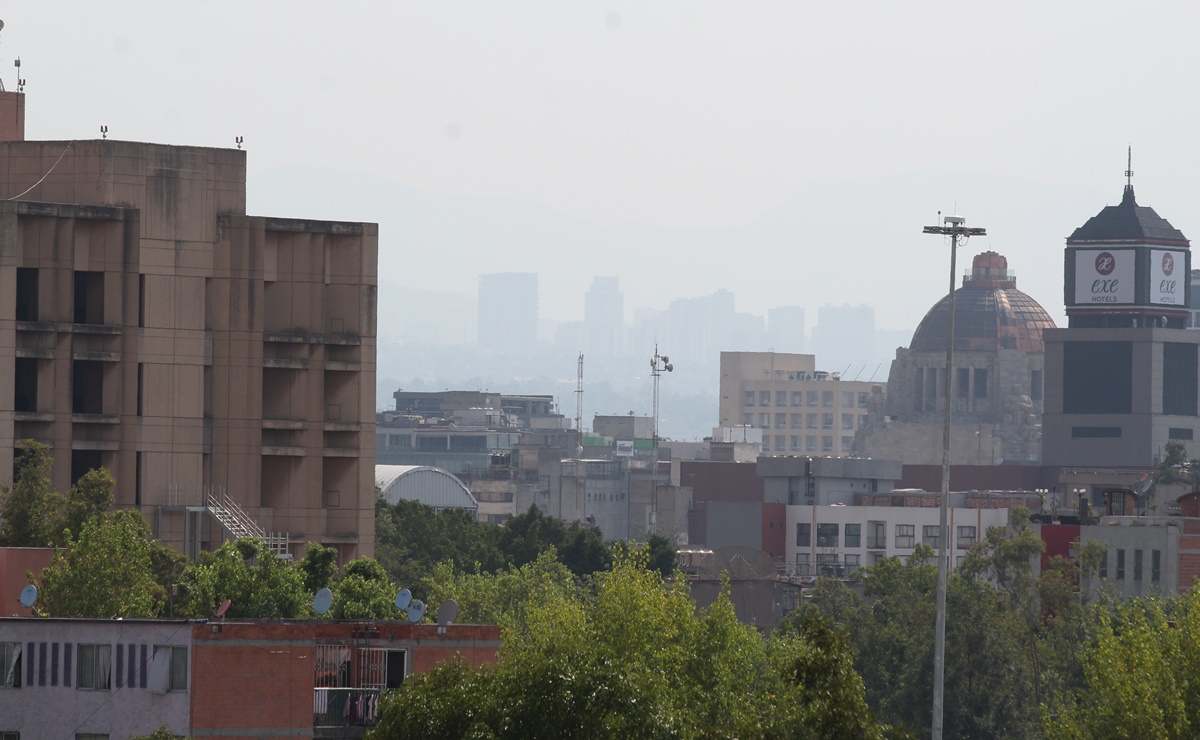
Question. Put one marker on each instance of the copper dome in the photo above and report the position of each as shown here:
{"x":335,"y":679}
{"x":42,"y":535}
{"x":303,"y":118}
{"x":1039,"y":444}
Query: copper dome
{"x":989,"y":313}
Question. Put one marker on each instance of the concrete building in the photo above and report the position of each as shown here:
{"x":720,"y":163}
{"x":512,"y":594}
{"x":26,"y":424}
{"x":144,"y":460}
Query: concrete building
{"x":604,"y":318}
{"x":799,"y":409}
{"x":508,"y":312}
{"x":103,"y":678}
{"x":998,"y":378}
{"x":213,"y":361}
{"x":1122,"y":380}
{"x":427,"y":485}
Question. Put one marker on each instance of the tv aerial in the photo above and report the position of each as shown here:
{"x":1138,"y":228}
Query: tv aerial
{"x":29,"y":593}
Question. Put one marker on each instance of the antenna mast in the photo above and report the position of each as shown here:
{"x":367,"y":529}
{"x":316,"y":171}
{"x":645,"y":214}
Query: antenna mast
{"x":579,"y":400}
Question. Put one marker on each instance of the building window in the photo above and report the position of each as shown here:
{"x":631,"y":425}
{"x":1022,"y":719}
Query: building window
{"x":847,"y":421}
{"x":812,"y":421}
{"x":764,"y":398}
{"x":169,"y":669}
{"x":852,"y":562}
{"x":94,"y":669}
{"x":797,"y":398}
{"x":1120,"y":565}
{"x":811,"y":444}
{"x":1035,"y":385}
{"x":27,"y":294}
{"x":749,"y":398}
{"x":25,"y":384}
{"x":764,"y":420}
{"x":89,"y":297}
{"x":862,"y":400}
{"x":827,"y":535}
{"x":803,"y":534}
{"x":981,"y":380}
{"x":780,"y":443}
{"x":812,"y":398}
{"x":1104,"y":566}
{"x":827,"y":444}
{"x":966,"y":537}
{"x":827,"y":421}
{"x":847,"y":445}
{"x":962,"y":382}
{"x":748,"y":419}
{"x":797,"y":421}
{"x":853,"y":535}
{"x":1155,"y":566}
{"x":781,"y":421}
{"x":827,"y":563}
{"x":929,"y":535}
{"x":795,"y":443}
{"x":906,"y":535}
{"x":10,"y":665}
{"x":847,"y":398}
{"x":781,"y":398}
{"x":1137,"y":565}
{"x":876,"y":535}
{"x":827,"y":398}
{"x":766,"y":443}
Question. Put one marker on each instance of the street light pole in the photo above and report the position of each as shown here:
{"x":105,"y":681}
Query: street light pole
{"x":658,"y":365}
{"x":954,"y":227}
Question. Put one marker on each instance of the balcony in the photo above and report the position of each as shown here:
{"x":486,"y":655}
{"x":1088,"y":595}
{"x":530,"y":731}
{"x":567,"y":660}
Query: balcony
{"x":341,"y":708}
{"x":876,"y":543}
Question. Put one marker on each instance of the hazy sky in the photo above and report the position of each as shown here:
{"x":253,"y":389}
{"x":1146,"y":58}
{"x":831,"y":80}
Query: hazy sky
{"x":700,"y":120}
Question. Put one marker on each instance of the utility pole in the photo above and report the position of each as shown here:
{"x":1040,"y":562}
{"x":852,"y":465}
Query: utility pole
{"x":658,"y":365}
{"x":579,"y":406}
{"x":954,"y":227}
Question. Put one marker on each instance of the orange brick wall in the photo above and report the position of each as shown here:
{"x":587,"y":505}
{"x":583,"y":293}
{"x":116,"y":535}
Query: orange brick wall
{"x":15,"y":562}
{"x":1189,"y":569}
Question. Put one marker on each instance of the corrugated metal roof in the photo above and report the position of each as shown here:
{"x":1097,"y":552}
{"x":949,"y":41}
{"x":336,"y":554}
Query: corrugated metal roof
{"x":431,"y":486}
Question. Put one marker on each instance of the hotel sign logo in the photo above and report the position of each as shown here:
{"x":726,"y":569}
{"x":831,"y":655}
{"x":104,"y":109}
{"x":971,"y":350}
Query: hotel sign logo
{"x":1166,"y":287}
{"x":1104,"y":277}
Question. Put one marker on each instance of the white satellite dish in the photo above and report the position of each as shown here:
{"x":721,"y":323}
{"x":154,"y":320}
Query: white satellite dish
{"x":322,"y":601}
{"x":416,"y":611}
{"x":448,"y":611}
{"x":29,"y":593}
{"x":403,"y":599}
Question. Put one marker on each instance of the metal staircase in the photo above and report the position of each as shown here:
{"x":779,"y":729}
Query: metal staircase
{"x":240,"y":525}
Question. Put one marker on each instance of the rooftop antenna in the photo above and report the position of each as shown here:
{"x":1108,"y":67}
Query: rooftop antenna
{"x":579,"y":401}
{"x":239,"y":141}
{"x":1129,"y":167}
{"x":103,"y":131}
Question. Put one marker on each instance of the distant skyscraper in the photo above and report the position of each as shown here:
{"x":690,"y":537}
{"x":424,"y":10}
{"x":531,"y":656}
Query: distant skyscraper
{"x":785,"y":329}
{"x":604,"y":317}
{"x":508,"y":311}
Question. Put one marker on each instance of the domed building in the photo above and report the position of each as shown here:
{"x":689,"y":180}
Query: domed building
{"x":997,"y":378}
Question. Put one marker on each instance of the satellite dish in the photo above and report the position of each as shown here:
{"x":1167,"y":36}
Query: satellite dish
{"x":447,"y":611}
{"x":29,"y":593}
{"x":322,"y":601}
{"x":1,"y":25}
{"x":416,"y":611}
{"x":403,"y":599}
{"x":224,"y":607}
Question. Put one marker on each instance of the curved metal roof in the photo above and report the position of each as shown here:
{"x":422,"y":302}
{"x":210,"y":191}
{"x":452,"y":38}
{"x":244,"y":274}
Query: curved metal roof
{"x":431,"y":486}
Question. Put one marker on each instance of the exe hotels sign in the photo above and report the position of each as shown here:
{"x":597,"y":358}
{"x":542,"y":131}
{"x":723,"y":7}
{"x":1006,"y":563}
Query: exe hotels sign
{"x":1129,"y":276}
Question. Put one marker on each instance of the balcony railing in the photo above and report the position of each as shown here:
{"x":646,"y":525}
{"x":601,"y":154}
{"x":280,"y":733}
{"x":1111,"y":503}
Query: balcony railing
{"x":345,"y":707}
{"x":876,"y":543}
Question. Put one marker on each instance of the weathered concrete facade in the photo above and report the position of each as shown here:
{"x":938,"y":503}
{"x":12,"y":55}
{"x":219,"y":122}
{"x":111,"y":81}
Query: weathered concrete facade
{"x":148,"y":325}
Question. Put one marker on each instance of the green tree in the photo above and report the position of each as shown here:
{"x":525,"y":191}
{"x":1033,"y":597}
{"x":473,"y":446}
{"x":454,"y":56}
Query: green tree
{"x":663,"y":557}
{"x":258,"y":585}
{"x":30,"y":513}
{"x":410,"y":538}
{"x":502,"y":598}
{"x":90,"y":497}
{"x":319,"y":567}
{"x":583,"y":550}
{"x":104,"y":572}
{"x":364,"y":592}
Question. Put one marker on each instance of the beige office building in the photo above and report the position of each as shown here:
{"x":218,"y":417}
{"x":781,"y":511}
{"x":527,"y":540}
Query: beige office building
{"x":800,"y":410}
{"x":221,"y":365}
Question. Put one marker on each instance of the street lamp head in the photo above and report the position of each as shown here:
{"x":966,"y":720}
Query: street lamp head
{"x":670,"y":367}
{"x":955,"y":220}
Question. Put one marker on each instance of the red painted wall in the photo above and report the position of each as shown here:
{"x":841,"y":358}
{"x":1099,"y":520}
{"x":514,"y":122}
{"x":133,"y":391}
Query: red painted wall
{"x":774,"y":536}
{"x":1058,"y":539}
{"x":15,"y":562}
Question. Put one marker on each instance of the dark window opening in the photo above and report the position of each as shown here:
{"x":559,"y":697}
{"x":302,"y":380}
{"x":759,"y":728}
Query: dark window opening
{"x":1137,"y":565}
{"x":140,"y":380}
{"x":25,"y":385}
{"x":962,"y":382}
{"x":27,"y":294}
{"x":1179,"y":379}
{"x":1180,"y":433}
{"x":87,"y":387}
{"x":141,"y":300}
{"x":1035,"y":385}
{"x":1120,"y":565}
{"x":89,"y":297}
{"x":137,"y":479}
{"x":981,"y":383}
{"x":1096,"y":432}
{"x":83,"y":461}
{"x":803,"y":534}
{"x":395,"y":669}
{"x":1097,"y":377}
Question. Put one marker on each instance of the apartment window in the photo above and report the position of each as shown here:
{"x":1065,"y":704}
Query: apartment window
{"x":966,"y":537}
{"x":10,"y":665}
{"x":847,"y":445}
{"x":780,"y":443}
{"x":847,"y":398}
{"x":797,"y":421}
{"x":812,"y":398}
{"x":169,"y":669}
{"x":847,"y":421}
{"x":803,"y":534}
{"x":827,"y":421}
{"x":764,"y":398}
{"x":749,"y":398}
{"x":94,"y":667}
{"x":853,"y":535}
{"x":906,"y":535}
{"x":781,"y":398}
{"x":1155,"y":566}
{"x":25,"y":384}
{"x":1120,"y":565}
{"x":748,"y":419}
{"x":1137,"y":565}
{"x":852,"y":562}
{"x":812,"y":421}
{"x":876,"y":536}
{"x":862,"y":400}
{"x":87,"y":387}
{"x":827,"y":444}
{"x":89,"y":297}
{"x":27,"y":294}
{"x":764,"y":420}
{"x":781,"y":421}
{"x":981,"y":380}
{"x":811,"y":444}
{"x":797,"y":398}
{"x":1104,"y":566}
{"x":766,"y":443}
{"x":827,"y":535}
{"x":827,"y":398}
{"x":827,"y":563}
{"x":91,"y":736}
{"x":802,"y":558}
{"x":795,"y":443}
{"x":930,"y":535}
